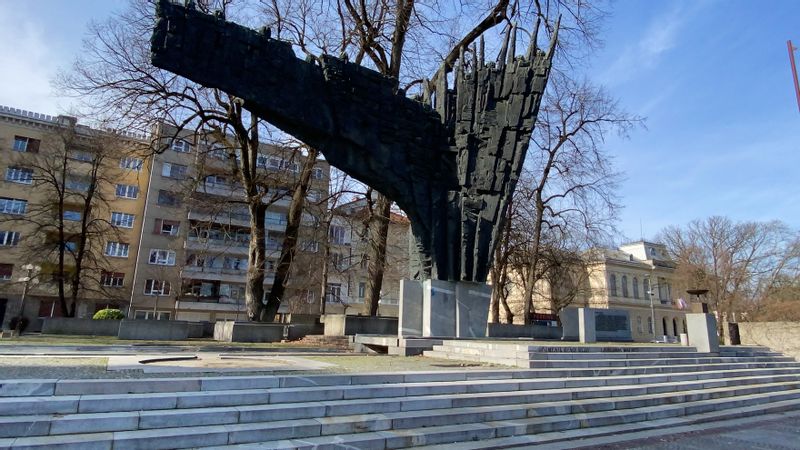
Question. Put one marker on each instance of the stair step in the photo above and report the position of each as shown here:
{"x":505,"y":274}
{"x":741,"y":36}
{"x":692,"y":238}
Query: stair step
{"x":553,"y":400}
{"x":531,"y":431}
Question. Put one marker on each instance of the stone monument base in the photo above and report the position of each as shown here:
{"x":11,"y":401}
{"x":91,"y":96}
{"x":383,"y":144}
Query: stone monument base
{"x":436,"y":308}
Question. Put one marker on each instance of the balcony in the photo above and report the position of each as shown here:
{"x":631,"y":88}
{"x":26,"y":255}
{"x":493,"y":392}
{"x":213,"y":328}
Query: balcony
{"x":188,"y":303}
{"x":221,"y":189}
{"x":222,"y":217}
{"x":221,"y":274}
{"x":218,"y":246}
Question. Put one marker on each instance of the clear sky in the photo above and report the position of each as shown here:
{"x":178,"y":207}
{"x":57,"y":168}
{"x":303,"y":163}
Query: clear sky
{"x":711,"y":77}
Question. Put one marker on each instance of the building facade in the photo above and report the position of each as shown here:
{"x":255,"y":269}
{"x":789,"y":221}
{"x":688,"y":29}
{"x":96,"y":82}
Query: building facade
{"x":178,"y":232}
{"x":348,"y":263}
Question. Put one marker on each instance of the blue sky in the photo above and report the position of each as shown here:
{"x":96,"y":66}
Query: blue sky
{"x":711,"y":77}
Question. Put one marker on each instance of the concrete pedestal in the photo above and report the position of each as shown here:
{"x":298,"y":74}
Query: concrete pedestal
{"x":410,"y":310}
{"x":448,"y":308}
{"x":702,"y":331}
{"x":586,"y":325}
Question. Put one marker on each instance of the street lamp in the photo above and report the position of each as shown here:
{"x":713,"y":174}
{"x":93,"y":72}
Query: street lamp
{"x":33,"y":271}
{"x":652,"y":311}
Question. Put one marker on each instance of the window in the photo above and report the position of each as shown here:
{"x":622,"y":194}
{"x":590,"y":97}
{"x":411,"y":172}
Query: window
{"x":167,"y":198}
{"x":646,"y":284}
{"x":81,"y":155}
{"x":635,"y":287}
{"x":639,"y":328}
{"x":275,"y":218}
{"x":218,"y":151}
{"x":72,"y":215}
{"x":117,"y":249}
{"x":338,"y":234}
{"x":132,"y":163}
{"x":176,"y":171}
{"x":77,"y":184}
{"x":19,"y":175}
{"x":71,"y":246}
{"x":338,"y":261}
{"x":309,"y":246}
{"x":12,"y":206}
{"x":362,"y":289}
{"x":334,"y":293}
{"x":162,"y":257}
{"x":123,"y":220}
{"x":127,"y":191}
{"x":318,"y":173}
{"x":167,"y":227}
{"x":156,"y":287}
{"x":625,"y":286}
{"x":309,"y":296}
{"x":26,"y":144}
{"x":181,"y":146}
{"x":650,"y":325}
{"x":112,"y":279}
{"x":612,"y":285}
{"x":5,"y":271}
{"x":149,"y":315}
{"x":9,"y":238}
{"x":233,"y":263}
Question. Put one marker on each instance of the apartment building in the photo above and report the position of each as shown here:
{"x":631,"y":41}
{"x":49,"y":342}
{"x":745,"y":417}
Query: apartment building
{"x":59,"y":178}
{"x":347,"y":272}
{"x":193,"y":259}
{"x":177,"y":241}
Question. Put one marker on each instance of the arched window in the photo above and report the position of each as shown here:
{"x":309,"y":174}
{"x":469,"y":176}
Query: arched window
{"x":612,"y":285}
{"x":635,"y":287}
{"x":625,"y":286}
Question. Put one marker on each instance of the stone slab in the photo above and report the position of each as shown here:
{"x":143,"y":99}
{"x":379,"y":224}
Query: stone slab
{"x":87,"y":327}
{"x":586,"y":325}
{"x":230,"y":331}
{"x":472,"y":309}
{"x":154,"y":330}
{"x":410,"y":310}
{"x":438,"y":308}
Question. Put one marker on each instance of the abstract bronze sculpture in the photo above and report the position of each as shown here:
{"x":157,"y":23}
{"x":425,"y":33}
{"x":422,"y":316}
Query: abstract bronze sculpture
{"x":450,"y":160}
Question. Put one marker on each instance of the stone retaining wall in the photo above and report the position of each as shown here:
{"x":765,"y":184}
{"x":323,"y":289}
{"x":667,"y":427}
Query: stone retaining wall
{"x":85,"y":327}
{"x":781,"y":337}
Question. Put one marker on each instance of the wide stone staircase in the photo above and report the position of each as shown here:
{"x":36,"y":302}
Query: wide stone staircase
{"x":572,"y":393}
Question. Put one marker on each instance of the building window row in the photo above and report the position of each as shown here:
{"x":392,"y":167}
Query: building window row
{"x":117,"y":249}
{"x":157,"y":287}
{"x":174,"y":171}
{"x":112,"y":279}
{"x":6,"y":271}
{"x":162,"y":257}
{"x":131,"y":163}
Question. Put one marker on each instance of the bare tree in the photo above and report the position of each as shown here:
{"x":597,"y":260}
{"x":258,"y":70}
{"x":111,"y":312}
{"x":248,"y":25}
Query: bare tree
{"x":739,"y":263}
{"x":72,"y":219}
{"x":116,"y":78}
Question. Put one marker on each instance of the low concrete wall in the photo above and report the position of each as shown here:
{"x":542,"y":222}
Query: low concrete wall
{"x":248,"y":332}
{"x":155,"y":330}
{"x":781,"y":337}
{"x":195,"y":329}
{"x":85,"y":327}
{"x":303,"y":318}
{"x":300,"y":330}
{"x":341,"y":325}
{"x":508,"y":330}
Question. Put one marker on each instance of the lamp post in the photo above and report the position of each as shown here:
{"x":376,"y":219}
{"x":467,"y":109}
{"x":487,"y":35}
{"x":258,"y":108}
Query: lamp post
{"x":33,"y":271}
{"x":652,"y":312}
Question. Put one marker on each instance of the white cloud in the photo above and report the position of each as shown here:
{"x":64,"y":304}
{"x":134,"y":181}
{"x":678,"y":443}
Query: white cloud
{"x":28,"y":62}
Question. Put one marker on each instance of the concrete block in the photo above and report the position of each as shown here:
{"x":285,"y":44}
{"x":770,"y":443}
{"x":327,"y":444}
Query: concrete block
{"x":508,"y":330}
{"x":354,"y":424}
{"x":438,"y":308}
{"x":702,"y":331}
{"x":343,"y":325}
{"x":22,"y":426}
{"x":39,"y":405}
{"x":222,"y":398}
{"x":22,"y":388}
{"x":586,"y":325}
{"x":243,"y":382}
{"x":94,"y":441}
{"x":123,"y":386}
{"x":154,"y":330}
{"x":261,"y":432}
{"x":111,"y":403}
{"x":272,"y":413}
{"x":86,"y":327}
{"x":187,"y":418}
{"x":410,"y":310}
{"x":472,"y":309}
{"x":569,"y":324}
{"x":230,"y":331}
{"x":94,"y":423}
{"x":169,"y":438}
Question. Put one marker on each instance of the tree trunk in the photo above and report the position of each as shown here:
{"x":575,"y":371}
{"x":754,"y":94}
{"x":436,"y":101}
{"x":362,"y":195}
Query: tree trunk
{"x":290,"y":240}
{"x":254,"y":287}
{"x":534,"y":260}
{"x":377,"y":237}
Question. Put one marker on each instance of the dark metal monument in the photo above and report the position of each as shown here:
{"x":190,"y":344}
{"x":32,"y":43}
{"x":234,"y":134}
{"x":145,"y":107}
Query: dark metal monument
{"x":450,"y":160}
